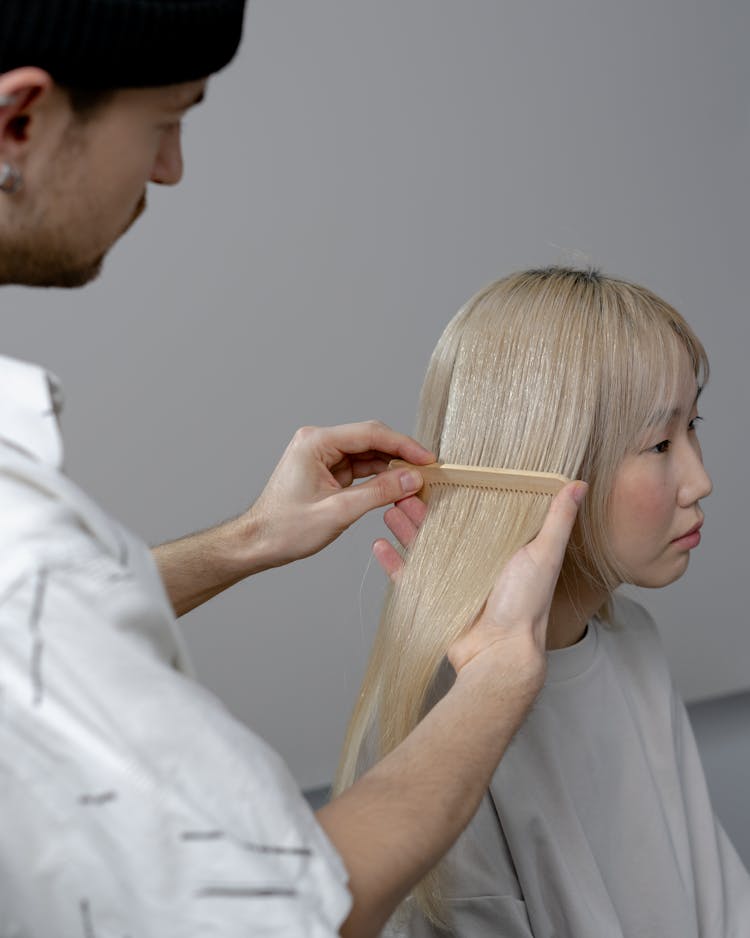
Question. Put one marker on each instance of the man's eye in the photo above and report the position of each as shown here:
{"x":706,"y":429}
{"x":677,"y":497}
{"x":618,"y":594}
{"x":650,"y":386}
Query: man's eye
{"x":693,"y":422}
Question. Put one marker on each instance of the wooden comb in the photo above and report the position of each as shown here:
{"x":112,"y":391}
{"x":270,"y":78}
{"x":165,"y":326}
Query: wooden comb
{"x":481,"y":477}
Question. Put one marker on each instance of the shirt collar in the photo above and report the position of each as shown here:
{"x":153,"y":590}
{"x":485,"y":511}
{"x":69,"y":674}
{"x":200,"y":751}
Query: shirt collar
{"x":30,"y":403}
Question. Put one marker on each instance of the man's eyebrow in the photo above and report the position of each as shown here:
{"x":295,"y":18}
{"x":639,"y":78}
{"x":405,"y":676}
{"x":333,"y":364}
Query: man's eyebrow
{"x":192,"y":102}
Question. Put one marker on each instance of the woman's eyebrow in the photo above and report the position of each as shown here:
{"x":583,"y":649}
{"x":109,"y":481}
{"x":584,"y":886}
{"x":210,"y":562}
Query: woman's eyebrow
{"x":667,"y":416}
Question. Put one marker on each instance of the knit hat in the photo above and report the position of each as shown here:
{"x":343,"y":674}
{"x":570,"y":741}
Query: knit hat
{"x":102,"y":44}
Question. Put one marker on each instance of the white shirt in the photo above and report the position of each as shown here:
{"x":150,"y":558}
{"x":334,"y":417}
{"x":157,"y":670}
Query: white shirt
{"x":133,"y":804}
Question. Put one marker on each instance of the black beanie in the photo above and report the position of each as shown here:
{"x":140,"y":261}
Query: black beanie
{"x":103,"y":44}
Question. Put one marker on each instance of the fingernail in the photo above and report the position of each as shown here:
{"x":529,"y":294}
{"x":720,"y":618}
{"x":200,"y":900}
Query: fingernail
{"x":579,"y":493}
{"x":410,"y":482}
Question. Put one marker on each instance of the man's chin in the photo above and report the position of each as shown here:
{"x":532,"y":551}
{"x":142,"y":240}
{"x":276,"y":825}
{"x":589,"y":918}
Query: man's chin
{"x":35,"y":273}
{"x":46,"y":261}
{"x":66,"y":275}
{"x":77,"y":277}
{"x":72,"y":276}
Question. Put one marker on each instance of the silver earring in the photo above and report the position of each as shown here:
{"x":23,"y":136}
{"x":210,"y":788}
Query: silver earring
{"x":11,"y":180}
{"x":7,"y":99}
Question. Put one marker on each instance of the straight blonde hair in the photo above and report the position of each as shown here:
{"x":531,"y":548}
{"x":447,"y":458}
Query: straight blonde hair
{"x":553,"y":370}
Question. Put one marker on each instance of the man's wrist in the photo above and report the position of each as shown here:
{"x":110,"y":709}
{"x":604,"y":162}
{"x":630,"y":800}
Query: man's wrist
{"x":247,"y":546}
{"x":509,"y":673}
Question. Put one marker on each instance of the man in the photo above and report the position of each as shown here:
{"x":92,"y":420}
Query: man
{"x":133,"y":804}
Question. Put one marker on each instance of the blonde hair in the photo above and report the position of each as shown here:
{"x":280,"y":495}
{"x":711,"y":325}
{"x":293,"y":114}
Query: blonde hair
{"x":554,"y":370}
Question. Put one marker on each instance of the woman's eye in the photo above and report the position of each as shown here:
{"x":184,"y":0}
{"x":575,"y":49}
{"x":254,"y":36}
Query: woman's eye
{"x":692,"y":425}
{"x":660,"y":447}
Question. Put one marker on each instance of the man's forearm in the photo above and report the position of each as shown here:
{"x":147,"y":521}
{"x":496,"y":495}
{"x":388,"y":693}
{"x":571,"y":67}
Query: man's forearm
{"x":197,"y":567}
{"x":395,"y":823}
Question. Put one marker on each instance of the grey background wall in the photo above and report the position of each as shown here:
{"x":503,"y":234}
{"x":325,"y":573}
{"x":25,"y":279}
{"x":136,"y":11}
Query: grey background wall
{"x":358,"y":172}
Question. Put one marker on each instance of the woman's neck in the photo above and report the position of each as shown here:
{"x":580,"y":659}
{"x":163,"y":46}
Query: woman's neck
{"x":574,"y":603}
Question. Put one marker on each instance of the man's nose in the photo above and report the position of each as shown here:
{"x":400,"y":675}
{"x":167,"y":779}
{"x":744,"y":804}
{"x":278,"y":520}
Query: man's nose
{"x":168,"y":167}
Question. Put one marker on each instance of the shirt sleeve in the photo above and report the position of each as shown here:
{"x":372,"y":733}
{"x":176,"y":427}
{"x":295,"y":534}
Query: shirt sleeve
{"x":133,"y":803}
{"x":721,"y":881}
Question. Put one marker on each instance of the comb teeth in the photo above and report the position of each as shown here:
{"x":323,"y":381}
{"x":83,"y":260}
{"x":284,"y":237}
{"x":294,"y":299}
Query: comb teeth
{"x":485,"y":487}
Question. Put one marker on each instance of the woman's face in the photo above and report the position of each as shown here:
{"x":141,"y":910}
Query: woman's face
{"x":655,"y":513}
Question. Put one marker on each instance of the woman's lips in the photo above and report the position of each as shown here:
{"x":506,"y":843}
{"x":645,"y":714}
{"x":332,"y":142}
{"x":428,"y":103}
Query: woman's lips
{"x":691,"y":538}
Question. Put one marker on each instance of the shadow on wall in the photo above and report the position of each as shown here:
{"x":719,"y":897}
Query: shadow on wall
{"x":722,"y":729}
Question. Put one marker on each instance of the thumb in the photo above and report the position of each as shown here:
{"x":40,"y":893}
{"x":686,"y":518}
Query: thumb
{"x":549,"y":546}
{"x":389,"y":486}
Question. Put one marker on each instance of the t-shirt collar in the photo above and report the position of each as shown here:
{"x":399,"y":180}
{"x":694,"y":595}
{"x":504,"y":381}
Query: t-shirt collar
{"x":566,"y":663}
{"x":31,"y":400}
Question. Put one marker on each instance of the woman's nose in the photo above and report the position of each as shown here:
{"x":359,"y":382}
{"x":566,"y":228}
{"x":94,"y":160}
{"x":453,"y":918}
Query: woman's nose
{"x":696,"y":482}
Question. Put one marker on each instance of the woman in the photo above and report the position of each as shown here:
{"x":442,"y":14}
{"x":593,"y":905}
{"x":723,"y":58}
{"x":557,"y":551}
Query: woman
{"x":597,"y":823}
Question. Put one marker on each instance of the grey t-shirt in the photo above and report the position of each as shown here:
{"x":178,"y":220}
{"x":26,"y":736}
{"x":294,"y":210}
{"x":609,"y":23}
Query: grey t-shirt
{"x":598,"y":823}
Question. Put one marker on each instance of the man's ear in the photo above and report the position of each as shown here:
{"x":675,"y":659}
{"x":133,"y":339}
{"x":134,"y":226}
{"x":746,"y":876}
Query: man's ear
{"x":20,"y":91}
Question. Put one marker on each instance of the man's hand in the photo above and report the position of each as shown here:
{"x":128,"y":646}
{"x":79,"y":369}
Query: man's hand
{"x":516,"y":612}
{"x":399,"y":818}
{"x":518,"y":607}
{"x":310,"y":499}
